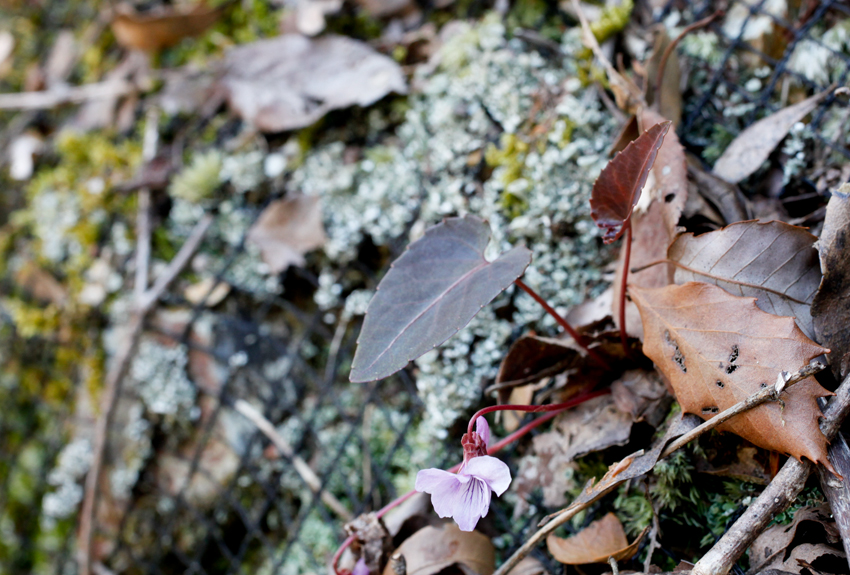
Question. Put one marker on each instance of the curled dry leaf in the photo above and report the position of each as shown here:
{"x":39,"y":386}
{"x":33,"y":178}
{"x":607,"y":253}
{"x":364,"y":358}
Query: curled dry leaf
{"x":831,"y":305}
{"x":40,"y":284}
{"x":291,"y":81}
{"x":641,"y":395}
{"x":595,"y":543}
{"x":772,"y":261}
{"x":372,"y":539}
{"x":669,"y":102}
{"x":430,"y":293}
{"x":432,"y":549}
{"x":287,"y":229}
{"x":770,"y":548}
{"x":717,"y":349}
{"x":592,"y":426}
{"x":752,"y":147}
{"x":152,"y":31}
{"x":617,"y":189}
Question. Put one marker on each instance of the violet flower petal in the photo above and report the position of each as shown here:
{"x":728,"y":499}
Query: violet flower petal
{"x":360,"y":568}
{"x":482,"y":428}
{"x":491,"y":470}
{"x":474,"y":502}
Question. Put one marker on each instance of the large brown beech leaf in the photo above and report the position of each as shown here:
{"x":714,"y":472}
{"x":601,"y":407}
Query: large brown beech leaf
{"x":772,"y":261}
{"x":431,"y":292}
{"x":617,"y":189}
{"x":717,"y":349}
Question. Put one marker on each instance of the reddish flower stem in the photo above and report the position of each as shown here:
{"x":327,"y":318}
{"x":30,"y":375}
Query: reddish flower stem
{"x":561,"y":321}
{"x":553,"y":410}
{"x":557,"y":407}
{"x":623,"y":282}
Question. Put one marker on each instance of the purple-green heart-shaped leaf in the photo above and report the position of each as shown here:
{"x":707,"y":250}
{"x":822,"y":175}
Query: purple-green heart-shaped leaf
{"x":431,"y":292}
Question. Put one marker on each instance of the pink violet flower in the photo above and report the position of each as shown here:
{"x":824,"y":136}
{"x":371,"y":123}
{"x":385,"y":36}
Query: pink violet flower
{"x":465,"y":496}
{"x":360,"y":568}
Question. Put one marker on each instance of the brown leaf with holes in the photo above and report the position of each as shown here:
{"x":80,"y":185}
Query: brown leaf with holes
{"x":717,"y":349}
{"x":152,"y":31}
{"x":772,"y":261}
{"x":595,"y":543}
{"x":432,"y":549}
{"x":831,"y":305}
{"x":751,"y":148}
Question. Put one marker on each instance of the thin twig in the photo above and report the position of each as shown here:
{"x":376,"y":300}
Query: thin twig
{"x":177,"y":264}
{"x":776,"y":497}
{"x":307,"y":474}
{"x":615,"y":569}
{"x":568,"y":513}
{"x":783,"y":381}
{"x":614,"y":77}
{"x":112,"y":384}
{"x":143,"y":213}
{"x":71,"y":95}
{"x":662,"y":65}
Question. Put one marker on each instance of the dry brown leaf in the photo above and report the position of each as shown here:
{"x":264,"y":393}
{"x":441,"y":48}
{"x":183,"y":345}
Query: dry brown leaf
{"x":717,"y":349}
{"x":831,"y":305}
{"x":769,"y":549}
{"x":595,"y":543}
{"x":40,"y":284}
{"x":291,"y":81}
{"x":529,"y":566}
{"x":751,"y":148}
{"x":642,"y":395}
{"x":726,"y":198}
{"x":670,"y":104}
{"x":772,"y":261}
{"x":520,"y":395}
{"x":152,"y":31}
{"x":592,"y":426}
{"x":208,"y":291}
{"x":287,"y":229}
{"x":750,"y":465}
{"x":533,"y":357}
{"x":432,"y":549}
{"x":373,"y":541}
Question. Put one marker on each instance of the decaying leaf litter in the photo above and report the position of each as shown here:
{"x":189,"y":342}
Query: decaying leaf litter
{"x":266,"y":183}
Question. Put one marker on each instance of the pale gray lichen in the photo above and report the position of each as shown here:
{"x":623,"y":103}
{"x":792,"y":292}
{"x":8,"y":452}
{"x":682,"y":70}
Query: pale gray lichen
{"x":71,"y":466}
{"x":159,"y":373}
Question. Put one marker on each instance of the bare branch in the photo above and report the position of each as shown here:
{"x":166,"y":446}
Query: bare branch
{"x":776,"y":497}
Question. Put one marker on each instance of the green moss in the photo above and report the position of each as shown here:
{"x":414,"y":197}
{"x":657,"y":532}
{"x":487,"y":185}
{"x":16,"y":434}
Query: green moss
{"x":33,"y":320}
{"x":199,"y":180}
{"x":612,"y":20}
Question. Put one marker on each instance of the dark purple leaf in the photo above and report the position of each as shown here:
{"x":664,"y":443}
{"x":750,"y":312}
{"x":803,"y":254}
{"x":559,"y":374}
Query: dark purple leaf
{"x":433,"y":290}
{"x":617,"y":189}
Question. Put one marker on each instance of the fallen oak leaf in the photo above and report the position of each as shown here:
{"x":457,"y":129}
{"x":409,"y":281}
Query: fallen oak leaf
{"x":751,"y":148}
{"x":287,"y":229}
{"x":430,"y":293}
{"x":618,"y":187}
{"x":717,"y":349}
{"x":432,"y":549}
{"x":772,"y":261}
{"x":595,"y":543}
{"x":152,"y":31}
